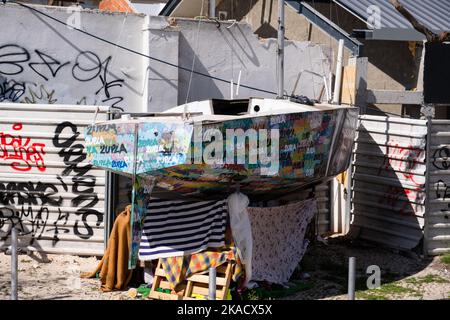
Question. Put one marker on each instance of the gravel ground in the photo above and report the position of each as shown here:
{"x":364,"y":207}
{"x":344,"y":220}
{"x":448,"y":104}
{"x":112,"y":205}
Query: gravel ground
{"x":324,"y":269}
{"x":53,"y":277}
{"x":403,"y":275}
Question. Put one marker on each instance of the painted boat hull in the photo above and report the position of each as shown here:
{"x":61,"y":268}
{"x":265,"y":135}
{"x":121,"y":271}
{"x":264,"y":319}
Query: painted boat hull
{"x":312,"y":146}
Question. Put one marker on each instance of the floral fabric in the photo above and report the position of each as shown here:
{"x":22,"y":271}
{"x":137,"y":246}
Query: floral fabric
{"x":278,"y":239}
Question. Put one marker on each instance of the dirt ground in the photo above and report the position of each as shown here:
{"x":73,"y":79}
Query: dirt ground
{"x":323,"y":270}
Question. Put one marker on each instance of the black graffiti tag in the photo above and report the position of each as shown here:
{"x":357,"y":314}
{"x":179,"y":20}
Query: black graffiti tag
{"x":73,"y":155}
{"x":11,"y":57}
{"x":444,"y":154}
{"x":87,"y":66}
{"x":442,"y":186}
{"x":107,"y":85}
{"x":11,"y":90}
{"x":47,"y":62}
{"x":28,"y":202}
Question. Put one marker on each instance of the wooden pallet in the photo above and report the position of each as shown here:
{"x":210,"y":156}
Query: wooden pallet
{"x":196,"y":284}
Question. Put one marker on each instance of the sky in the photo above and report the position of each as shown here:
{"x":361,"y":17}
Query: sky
{"x":150,"y":9}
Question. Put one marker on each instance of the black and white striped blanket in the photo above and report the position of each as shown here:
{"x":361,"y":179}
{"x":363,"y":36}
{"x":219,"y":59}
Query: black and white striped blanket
{"x":177,"y":227}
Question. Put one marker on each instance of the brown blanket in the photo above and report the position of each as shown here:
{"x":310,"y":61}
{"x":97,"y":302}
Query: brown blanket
{"x":114,"y":273}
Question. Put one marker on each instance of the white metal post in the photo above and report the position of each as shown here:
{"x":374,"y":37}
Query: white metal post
{"x":351,"y":278}
{"x":280,"y":55}
{"x":212,"y":284}
{"x":14,"y":262}
{"x":338,"y":79}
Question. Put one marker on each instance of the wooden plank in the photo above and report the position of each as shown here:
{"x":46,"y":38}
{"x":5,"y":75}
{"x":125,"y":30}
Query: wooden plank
{"x":224,"y":291}
{"x":204,"y":291}
{"x":348,"y":91}
{"x":394,"y":97}
{"x":160,"y":272}
{"x":205,"y":279}
{"x":164,"y":285}
{"x":188,"y":291}
{"x":157,"y":279}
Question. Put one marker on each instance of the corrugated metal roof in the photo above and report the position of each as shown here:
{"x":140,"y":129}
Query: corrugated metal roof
{"x":434,"y":14}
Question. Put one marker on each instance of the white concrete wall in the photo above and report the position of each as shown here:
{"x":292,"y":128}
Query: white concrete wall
{"x":42,"y":61}
{"x":46,"y":62}
{"x":224,"y":52}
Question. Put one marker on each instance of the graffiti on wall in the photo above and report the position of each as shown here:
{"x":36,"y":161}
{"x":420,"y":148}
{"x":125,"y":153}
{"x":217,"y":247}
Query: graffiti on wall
{"x":83,"y":183}
{"x":21,"y":152}
{"x":441,"y":161}
{"x":18,"y":63}
{"x":40,"y":208}
{"x":111,"y":146}
{"x":406,"y":162}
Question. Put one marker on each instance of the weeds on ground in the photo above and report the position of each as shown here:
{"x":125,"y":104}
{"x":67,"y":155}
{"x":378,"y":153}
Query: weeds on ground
{"x":445,"y":259}
{"x":387,"y":291}
{"x":429,"y":278}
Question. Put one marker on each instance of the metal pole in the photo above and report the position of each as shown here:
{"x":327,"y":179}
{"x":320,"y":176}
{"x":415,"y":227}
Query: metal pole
{"x":212,"y":8}
{"x":348,"y":204}
{"x":427,"y":186}
{"x":280,"y":61}
{"x":212,"y":284}
{"x":14,"y":262}
{"x":351,"y":278}
{"x":338,"y":80}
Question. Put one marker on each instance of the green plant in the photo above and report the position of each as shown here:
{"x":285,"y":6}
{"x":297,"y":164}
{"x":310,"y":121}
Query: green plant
{"x":446,"y":259}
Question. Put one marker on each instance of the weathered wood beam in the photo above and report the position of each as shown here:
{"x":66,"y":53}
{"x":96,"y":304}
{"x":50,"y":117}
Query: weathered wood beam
{"x":430,"y":35}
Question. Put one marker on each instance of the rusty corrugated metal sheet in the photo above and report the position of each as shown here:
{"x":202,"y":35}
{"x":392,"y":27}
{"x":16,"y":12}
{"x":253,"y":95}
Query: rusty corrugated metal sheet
{"x":46,"y":186}
{"x":388,"y":201}
{"x":438,"y":216}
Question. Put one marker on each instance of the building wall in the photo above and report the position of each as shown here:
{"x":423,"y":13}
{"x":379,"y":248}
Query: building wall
{"x":393,"y":65}
{"x":43,"y":61}
{"x":225,"y":51}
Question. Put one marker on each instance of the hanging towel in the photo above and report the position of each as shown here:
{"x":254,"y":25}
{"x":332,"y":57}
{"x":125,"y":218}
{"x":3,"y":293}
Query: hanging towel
{"x":278,"y":239}
{"x":178,"y":227}
{"x":241,"y":230}
{"x":113,"y":268}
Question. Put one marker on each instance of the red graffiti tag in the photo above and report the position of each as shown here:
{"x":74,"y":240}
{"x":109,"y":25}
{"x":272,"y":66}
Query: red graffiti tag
{"x":22,"y":152}
{"x":404,"y":160}
{"x":401,"y":199}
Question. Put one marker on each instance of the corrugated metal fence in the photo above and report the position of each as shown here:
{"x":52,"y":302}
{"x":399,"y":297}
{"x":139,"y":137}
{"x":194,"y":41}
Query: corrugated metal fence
{"x":438,"y":217}
{"x":388,"y":189}
{"x":46,"y":186}
{"x":323,"y":223}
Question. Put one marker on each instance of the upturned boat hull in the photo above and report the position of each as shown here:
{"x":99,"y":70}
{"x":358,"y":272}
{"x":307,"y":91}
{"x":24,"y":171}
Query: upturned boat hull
{"x":208,"y":155}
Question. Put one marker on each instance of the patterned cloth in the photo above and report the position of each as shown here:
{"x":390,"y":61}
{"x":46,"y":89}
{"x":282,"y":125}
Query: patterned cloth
{"x":177,"y":269}
{"x":278,"y":239}
{"x":182,"y":227}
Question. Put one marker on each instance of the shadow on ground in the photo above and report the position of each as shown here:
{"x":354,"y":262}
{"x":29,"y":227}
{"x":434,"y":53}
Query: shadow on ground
{"x":404,"y":275}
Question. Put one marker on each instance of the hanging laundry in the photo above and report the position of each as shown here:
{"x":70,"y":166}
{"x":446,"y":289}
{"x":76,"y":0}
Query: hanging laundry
{"x":241,"y":230}
{"x":178,"y":227}
{"x":113,"y":268}
{"x":177,"y":269}
{"x":278,"y":239}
